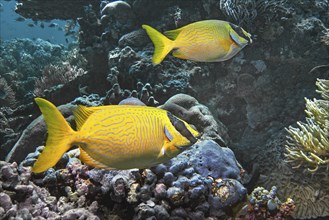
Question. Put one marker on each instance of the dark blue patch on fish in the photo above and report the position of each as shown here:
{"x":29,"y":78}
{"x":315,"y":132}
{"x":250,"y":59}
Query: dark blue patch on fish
{"x":240,"y":32}
{"x":181,"y":128}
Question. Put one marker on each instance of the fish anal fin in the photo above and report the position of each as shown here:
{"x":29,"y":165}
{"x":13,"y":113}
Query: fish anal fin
{"x":82,"y":113}
{"x":177,"y":53}
{"x":172,"y":34}
{"x":84,"y":157}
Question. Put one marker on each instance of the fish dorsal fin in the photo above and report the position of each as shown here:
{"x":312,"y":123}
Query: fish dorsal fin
{"x":82,"y":113}
{"x":172,"y":34}
{"x":84,"y":157}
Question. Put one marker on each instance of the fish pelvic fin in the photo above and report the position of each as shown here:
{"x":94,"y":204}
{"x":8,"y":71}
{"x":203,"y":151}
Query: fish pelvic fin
{"x":60,"y":136}
{"x":162,"y":45}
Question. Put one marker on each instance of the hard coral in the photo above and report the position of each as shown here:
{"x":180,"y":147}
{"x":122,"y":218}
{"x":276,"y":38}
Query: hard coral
{"x":7,"y":95}
{"x":241,"y":11}
{"x":54,"y":75}
{"x":189,"y":109}
{"x":309,"y":143}
{"x":264,"y":204}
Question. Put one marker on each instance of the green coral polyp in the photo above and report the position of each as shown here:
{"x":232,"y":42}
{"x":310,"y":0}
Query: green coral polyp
{"x":309,"y":143}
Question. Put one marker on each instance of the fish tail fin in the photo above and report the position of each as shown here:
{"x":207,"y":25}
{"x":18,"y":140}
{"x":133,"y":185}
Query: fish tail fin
{"x":60,"y":136}
{"x":162,"y":45}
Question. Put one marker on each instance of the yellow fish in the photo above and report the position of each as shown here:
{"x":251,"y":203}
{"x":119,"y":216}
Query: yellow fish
{"x":204,"y":41}
{"x":114,"y":136}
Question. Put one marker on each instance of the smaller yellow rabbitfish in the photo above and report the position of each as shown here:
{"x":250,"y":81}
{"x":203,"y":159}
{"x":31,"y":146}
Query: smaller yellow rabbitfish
{"x":203,"y":41}
{"x":114,"y":136}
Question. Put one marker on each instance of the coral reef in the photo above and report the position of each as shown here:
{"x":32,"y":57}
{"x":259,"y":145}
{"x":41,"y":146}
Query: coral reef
{"x":56,"y":76}
{"x":245,"y":12}
{"x":28,"y":56}
{"x":21,"y":65}
{"x":264,"y":204}
{"x":309,"y":143}
{"x":189,"y":109}
{"x":7,"y":95}
{"x":256,"y":94}
{"x":21,"y":198}
{"x":117,"y":18}
{"x":311,"y":197}
{"x":143,"y":92}
{"x":181,"y":188}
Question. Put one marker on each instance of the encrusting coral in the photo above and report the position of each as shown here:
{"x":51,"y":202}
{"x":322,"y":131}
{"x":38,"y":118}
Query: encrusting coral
{"x":309,"y":143}
{"x":264,"y":204}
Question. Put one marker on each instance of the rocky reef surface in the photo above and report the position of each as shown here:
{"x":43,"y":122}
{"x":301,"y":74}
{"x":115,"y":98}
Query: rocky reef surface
{"x":246,"y":103}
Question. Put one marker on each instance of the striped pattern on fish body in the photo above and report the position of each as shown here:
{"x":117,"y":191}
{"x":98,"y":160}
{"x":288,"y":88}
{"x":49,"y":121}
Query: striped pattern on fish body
{"x":203,"y":41}
{"x":114,"y":136}
{"x":124,"y":136}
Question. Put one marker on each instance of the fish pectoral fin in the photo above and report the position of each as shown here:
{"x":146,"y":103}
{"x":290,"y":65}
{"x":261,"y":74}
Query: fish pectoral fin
{"x":177,"y":53}
{"x":167,"y":133}
{"x":168,"y":149}
{"x":162,"y":152}
{"x":84,"y":157}
{"x":172,"y":34}
{"x":241,"y":42}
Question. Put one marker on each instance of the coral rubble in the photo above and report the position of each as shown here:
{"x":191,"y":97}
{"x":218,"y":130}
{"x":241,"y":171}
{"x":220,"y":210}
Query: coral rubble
{"x":264,"y":204}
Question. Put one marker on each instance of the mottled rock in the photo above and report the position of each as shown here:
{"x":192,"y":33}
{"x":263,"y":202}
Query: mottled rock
{"x":209,"y":159}
{"x":5,"y":202}
{"x":189,"y":109}
{"x":79,"y":213}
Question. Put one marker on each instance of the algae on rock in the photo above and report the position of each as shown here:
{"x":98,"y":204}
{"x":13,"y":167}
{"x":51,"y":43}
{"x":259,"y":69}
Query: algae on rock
{"x":308,"y":145}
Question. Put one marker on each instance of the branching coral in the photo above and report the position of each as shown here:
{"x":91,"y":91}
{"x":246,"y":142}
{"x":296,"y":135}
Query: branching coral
{"x":309,"y":143}
{"x":7,"y":95}
{"x":54,"y":75}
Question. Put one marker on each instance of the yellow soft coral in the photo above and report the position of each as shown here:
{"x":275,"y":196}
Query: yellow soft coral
{"x":309,"y":143}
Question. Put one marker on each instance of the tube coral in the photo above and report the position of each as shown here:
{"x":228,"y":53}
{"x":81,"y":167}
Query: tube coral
{"x":309,"y":143}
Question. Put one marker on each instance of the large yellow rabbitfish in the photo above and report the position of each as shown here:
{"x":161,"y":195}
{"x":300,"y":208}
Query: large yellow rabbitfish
{"x":204,"y":41}
{"x":114,"y":136}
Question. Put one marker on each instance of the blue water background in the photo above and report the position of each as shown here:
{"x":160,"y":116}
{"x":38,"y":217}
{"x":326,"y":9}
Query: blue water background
{"x":11,"y":29}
